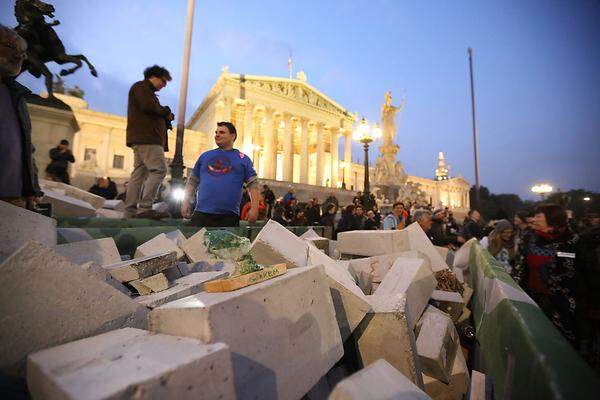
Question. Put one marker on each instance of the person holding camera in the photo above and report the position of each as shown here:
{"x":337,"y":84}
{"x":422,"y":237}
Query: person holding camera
{"x":60,"y":157}
{"x":147,"y":124}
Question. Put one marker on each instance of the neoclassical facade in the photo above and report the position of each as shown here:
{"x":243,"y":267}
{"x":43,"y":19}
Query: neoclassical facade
{"x":292,"y":131}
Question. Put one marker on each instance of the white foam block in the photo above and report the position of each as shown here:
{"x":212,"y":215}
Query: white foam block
{"x":419,"y":241}
{"x":18,"y":226}
{"x":132,"y":363}
{"x":350,"y":303}
{"x":384,"y":334}
{"x":437,"y":344}
{"x":275,"y":244}
{"x":158,"y":244}
{"x":66,"y":206}
{"x":372,"y":243}
{"x":100,"y":251}
{"x":282,"y":332}
{"x":46,"y":300}
{"x":378,"y":381}
{"x":411,"y":277}
{"x":181,"y":287}
{"x":73,"y":192}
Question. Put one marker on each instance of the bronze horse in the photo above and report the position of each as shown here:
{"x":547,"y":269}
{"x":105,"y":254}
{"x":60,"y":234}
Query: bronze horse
{"x":43,"y":43}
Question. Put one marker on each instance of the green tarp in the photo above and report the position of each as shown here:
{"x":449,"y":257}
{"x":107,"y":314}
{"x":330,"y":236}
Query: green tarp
{"x":525,"y":355}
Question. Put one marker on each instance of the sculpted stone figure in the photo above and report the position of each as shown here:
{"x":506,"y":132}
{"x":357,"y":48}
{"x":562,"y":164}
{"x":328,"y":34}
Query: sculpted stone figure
{"x":44,"y":45}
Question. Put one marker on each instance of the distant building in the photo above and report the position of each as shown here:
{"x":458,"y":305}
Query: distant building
{"x":290,"y":130}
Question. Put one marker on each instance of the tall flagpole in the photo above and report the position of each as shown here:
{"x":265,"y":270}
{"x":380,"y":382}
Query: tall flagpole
{"x":177,"y":164}
{"x":475,"y":153}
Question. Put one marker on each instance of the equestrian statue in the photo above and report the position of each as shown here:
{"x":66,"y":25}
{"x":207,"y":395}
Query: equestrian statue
{"x":43,"y":44}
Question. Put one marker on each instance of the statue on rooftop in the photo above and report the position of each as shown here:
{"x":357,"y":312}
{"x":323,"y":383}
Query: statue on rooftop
{"x":43,"y":44}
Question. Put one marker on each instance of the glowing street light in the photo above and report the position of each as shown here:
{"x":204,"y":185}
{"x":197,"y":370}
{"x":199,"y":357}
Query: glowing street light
{"x":542,"y":189}
{"x":586,"y":198}
{"x":365,"y":135}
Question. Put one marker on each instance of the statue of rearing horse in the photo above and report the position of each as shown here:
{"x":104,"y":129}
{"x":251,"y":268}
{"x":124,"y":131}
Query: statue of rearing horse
{"x":43,"y":43}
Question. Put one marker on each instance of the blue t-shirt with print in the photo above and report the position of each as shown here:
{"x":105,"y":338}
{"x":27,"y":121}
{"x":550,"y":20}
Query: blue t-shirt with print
{"x":222,"y":174}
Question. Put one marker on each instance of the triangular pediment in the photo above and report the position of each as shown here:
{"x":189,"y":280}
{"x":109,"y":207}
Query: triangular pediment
{"x":293,"y":89}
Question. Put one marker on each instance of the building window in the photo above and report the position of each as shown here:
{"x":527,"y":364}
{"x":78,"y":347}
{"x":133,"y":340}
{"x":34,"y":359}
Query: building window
{"x":89,"y":154}
{"x":118,"y":161}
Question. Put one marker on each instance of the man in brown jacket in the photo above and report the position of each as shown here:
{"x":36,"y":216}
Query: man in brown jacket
{"x":147,"y":135}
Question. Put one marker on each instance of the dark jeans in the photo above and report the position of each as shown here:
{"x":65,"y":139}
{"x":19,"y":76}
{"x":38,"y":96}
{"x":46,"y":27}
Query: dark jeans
{"x":214,"y":220}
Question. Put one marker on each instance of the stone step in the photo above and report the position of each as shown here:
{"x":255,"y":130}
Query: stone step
{"x":282,"y":332}
{"x":132,"y":363}
{"x":412,"y":277}
{"x":384,"y":334}
{"x":378,"y":381}
{"x":46,"y":300}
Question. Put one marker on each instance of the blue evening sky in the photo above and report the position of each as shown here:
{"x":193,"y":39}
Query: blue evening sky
{"x":537,"y":70}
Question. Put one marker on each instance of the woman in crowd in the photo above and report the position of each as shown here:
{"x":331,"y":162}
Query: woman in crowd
{"x":545,"y":267}
{"x":501,"y":244}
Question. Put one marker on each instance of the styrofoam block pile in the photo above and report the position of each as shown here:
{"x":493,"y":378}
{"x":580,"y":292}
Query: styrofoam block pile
{"x":132,"y":363}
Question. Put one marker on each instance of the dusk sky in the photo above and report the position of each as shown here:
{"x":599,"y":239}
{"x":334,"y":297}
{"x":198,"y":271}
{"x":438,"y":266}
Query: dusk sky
{"x":536,"y":65}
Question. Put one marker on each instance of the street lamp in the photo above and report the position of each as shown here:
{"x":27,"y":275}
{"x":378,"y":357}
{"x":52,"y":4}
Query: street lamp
{"x":365,"y":135}
{"x":542,"y":189}
{"x":344,"y":164}
{"x":586,"y":198}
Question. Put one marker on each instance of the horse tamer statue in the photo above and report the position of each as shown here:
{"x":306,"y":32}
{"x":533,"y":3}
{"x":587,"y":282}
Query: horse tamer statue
{"x":43,"y":44}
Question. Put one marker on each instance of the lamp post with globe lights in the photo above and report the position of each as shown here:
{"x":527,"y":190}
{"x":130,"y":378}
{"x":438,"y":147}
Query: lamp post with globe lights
{"x":365,"y":135}
{"x":542,"y":189}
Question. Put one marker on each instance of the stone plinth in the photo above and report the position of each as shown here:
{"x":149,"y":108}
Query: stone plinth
{"x":132,"y":363}
{"x":282,"y":332}
{"x":46,"y":301}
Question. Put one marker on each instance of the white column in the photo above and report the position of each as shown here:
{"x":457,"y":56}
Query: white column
{"x":270,"y":148}
{"x":320,"y":154}
{"x":348,"y":155}
{"x":288,"y":149}
{"x":304,"y":150}
{"x":335,"y":167}
{"x":238,"y":119}
{"x":248,"y":130}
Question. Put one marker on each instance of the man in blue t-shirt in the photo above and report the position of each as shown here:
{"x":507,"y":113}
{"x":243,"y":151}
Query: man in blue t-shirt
{"x":218,"y":179}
